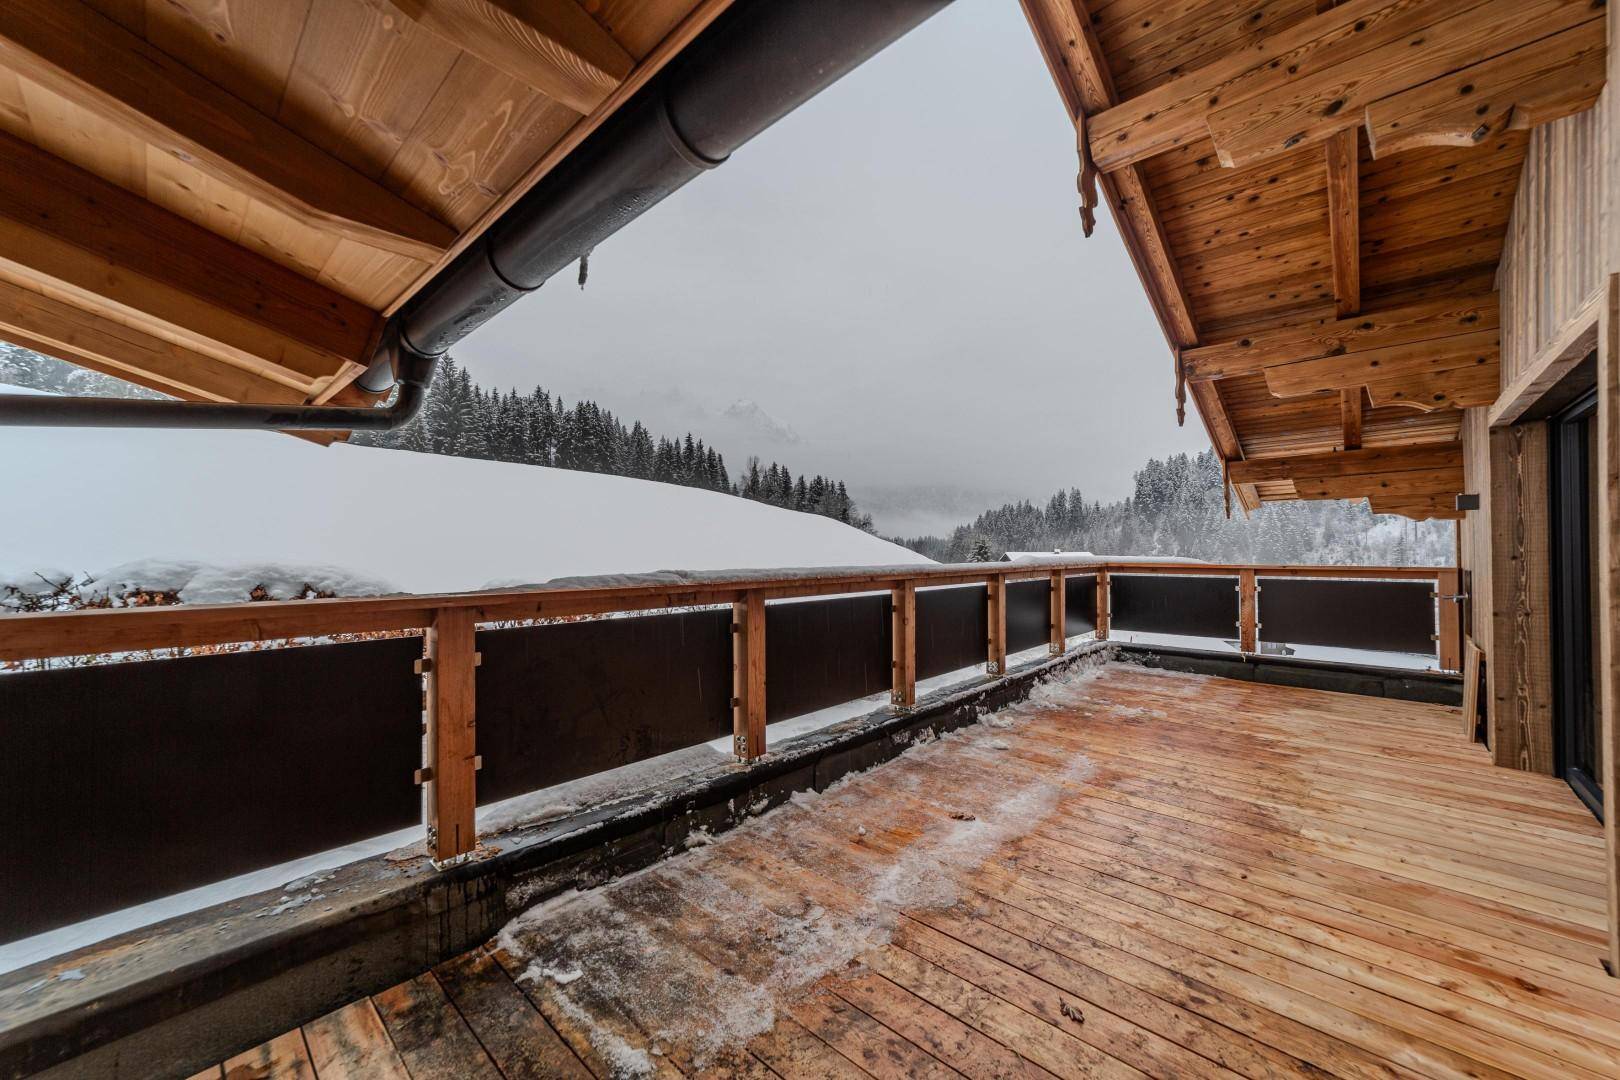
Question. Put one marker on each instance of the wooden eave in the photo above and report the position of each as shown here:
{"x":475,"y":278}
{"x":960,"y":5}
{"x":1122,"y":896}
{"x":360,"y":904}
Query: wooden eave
{"x":1316,"y":196}
{"x":225,"y":199}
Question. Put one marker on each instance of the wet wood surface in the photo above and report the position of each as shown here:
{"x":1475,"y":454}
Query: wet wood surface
{"x":1136,"y":873}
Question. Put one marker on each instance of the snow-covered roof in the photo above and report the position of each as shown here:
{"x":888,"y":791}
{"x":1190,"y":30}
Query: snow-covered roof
{"x":215,"y":508}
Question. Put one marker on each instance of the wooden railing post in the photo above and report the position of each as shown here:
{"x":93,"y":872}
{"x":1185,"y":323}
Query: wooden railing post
{"x":996,"y":661}
{"x":1059,"y":641}
{"x":1448,"y":595}
{"x":1102,"y":605}
{"x":903,"y":635}
{"x":748,"y":676}
{"x":451,"y":748}
{"x":1248,"y":612}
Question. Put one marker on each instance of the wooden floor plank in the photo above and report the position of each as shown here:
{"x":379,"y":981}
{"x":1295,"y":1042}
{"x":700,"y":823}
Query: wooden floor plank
{"x":511,"y":1030}
{"x":1145,"y":874}
{"x":352,"y":1044}
{"x":283,"y":1058}
{"x":430,"y":1034}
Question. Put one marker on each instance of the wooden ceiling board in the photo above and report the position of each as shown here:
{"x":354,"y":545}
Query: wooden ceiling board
{"x":360,"y":81}
{"x":1203,"y":85}
{"x":359,"y":87}
{"x":244,"y":46}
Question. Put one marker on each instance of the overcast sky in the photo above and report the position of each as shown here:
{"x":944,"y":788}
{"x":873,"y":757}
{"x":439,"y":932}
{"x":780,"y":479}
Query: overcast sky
{"x":896,"y":275}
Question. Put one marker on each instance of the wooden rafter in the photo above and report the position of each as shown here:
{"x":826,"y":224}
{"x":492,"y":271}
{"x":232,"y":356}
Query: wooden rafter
{"x":1344,"y":219}
{"x":88,"y":59}
{"x":1350,"y":418}
{"x":1412,"y":360}
{"x":551,"y":45}
{"x":1535,"y":84}
{"x":108,"y":250}
{"x":1317,"y":77}
{"x":1063,"y":31}
{"x":1375,"y":461}
{"x":1402,"y":325}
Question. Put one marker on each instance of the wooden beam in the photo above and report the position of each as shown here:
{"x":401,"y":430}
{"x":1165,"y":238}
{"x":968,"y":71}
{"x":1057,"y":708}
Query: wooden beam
{"x":1471,"y":387}
{"x":1480,"y":349}
{"x":81,"y":337}
{"x":903,"y":645}
{"x":1607,"y":609}
{"x":1104,"y":609}
{"x":1416,"y":507}
{"x":1342,"y":154}
{"x":1520,"y":663}
{"x":995,"y":662}
{"x":748,"y":676}
{"x":1350,"y":417}
{"x":74,"y":51}
{"x":1058,"y":616}
{"x":1540,"y":82}
{"x":1248,"y":609}
{"x":550,"y":45}
{"x":1311,"y":107}
{"x":451,"y":743}
{"x":1379,"y":460}
{"x":1442,"y":483}
{"x":1175,"y":113}
{"x":1405,"y":324}
{"x":1315,"y":78}
{"x":110,"y":250}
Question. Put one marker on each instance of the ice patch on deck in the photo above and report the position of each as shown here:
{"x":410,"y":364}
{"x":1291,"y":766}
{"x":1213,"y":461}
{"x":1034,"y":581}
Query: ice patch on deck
{"x":693,"y":953}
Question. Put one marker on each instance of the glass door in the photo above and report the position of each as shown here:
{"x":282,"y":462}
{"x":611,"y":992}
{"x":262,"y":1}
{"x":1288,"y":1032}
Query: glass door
{"x":1575,"y":600}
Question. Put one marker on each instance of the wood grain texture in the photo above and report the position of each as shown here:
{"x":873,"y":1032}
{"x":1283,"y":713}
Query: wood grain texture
{"x":550,"y":45}
{"x":748,"y":687}
{"x":903,"y":646}
{"x":452,"y":727}
{"x":1535,"y":84}
{"x":1242,"y":880}
{"x":1520,"y":663}
{"x":1606,"y":680}
{"x":1342,"y":153}
{"x":66,"y":46}
{"x":65,"y":227}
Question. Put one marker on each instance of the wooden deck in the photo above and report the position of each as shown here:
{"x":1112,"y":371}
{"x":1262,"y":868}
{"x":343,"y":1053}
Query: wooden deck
{"x":1137,"y":873}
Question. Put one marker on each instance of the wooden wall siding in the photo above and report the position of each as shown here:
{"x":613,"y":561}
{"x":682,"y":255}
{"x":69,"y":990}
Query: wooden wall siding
{"x":1519,"y":674}
{"x":1552,"y":259}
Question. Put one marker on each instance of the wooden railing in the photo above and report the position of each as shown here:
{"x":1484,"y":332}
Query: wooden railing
{"x":448,"y":623}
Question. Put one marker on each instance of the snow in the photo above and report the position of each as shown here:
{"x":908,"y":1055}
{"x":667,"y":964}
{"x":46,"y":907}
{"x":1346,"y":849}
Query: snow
{"x":214,"y":509}
{"x":616,"y":937}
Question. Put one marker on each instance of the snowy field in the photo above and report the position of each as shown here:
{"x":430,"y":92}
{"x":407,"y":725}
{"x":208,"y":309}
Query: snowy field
{"x":216,"y":512}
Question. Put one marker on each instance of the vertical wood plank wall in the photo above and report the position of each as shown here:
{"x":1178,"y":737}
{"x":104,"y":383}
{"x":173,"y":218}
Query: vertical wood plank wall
{"x":1519,"y":679}
{"x":1561,"y":244}
{"x":1562,"y":249}
{"x":1553,"y":255}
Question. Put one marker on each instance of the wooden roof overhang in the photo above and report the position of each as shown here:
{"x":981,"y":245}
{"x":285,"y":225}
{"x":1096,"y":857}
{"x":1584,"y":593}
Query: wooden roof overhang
{"x":224,"y":199}
{"x":1316,"y":196}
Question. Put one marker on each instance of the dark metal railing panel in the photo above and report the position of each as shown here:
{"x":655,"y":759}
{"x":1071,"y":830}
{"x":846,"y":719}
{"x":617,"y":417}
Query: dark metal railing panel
{"x":1029,"y":614}
{"x":952,"y":629}
{"x":1079,"y":605}
{"x":126,"y":782}
{"x":1394,"y":616}
{"x":1194,"y":606}
{"x":564,"y":700}
{"x":820,"y":653}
